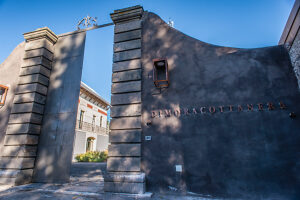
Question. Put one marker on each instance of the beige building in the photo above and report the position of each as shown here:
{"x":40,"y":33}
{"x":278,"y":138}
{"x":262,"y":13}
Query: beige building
{"x":91,"y":133}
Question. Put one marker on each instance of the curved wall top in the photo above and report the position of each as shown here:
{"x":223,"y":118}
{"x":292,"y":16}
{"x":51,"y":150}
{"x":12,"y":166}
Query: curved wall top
{"x":203,"y":122}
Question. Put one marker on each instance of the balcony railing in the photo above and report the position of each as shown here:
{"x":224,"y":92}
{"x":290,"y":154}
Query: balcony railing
{"x":85,"y":126}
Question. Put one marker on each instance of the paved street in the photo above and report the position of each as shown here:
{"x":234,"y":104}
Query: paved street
{"x":86,"y":184}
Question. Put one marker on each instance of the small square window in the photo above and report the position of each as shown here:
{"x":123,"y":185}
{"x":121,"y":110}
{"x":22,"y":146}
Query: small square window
{"x":3,"y":93}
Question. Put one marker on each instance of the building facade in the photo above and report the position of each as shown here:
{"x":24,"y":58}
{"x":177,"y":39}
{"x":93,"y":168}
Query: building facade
{"x":290,"y":38}
{"x":224,"y":123}
{"x":91,"y":132}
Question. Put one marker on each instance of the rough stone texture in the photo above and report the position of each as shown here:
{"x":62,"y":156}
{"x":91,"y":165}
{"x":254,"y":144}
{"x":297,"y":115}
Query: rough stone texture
{"x":21,"y":140}
{"x":34,"y":87}
{"x":30,"y":97}
{"x":127,"y":55}
{"x":25,"y":118}
{"x":37,"y":44}
{"x":37,"y":61}
{"x":28,"y":107}
{"x":127,"y":177}
{"x":124,"y":164}
{"x":126,"y":98}
{"x":16,"y":163}
{"x":34,"y":78}
{"x":9,"y":72}
{"x":126,"y":111}
{"x":124,"y":150}
{"x":132,"y":86}
{"x":126,"y":86}
{"x":36,"y":69}
{"x":295,"y":56}
{"x":127,"y":65}
{"x":23,"y":128}
{"x":129,"y":26}
{"x":131,"y":35}
{"x":125,"y":135}
{"x":24,"y":151}
{"x":15,"y":177}
{"x":38,"y":52}
{"x":125,"y":187}
{"x":125,"y":123}
{"x":57,"y":135}
{"x":222,"y":154}
{"x":128,"y":45}
{"x":131,"y":75}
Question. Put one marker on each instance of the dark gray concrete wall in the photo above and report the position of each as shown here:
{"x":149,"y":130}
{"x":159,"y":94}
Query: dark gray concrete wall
{"x":222,"y":154}
{"x":9,"y":75}
{"x":56,"y":140}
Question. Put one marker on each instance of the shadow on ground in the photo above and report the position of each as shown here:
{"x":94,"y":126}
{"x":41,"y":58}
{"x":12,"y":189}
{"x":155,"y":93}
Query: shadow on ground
{"x":86,"y":183}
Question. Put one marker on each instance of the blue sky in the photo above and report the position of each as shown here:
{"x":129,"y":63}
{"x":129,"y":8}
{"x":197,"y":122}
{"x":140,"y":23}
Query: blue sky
{"x":235,"y":23}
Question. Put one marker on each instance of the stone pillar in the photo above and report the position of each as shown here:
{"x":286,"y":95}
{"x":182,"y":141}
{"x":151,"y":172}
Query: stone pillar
{"x":24,"y":125}
{"x":124,"y":162}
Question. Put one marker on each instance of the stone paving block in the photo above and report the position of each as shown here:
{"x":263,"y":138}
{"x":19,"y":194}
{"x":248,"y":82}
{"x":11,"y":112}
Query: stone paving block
{"x":28,"y":107}
{"x":34,"y":78}
{"x":37,"y":61}
{"x":125,"y":135}
{"x":126,"y":110}
{"x":124,"y":150}
{"x":21,"y":140}
{"x":125,"y":123}
{"x":136,"y":34}
{"x":9,"y":173}
{"x":38,"y":52}
{"x":132,"y":86}
{"x":132,"y":75}
{"x":129,"y":26}
{"x":30,"y":97}
{"x":41,"y":43}
{"x":12,"y":173}
{"x":125,"y":187}
{"x":19,"y":151}
{"x":127,"y":55}
{"x":127,"y":65}
{"x":16,"y":163}
{"x":36,"y":69}
{"x":25,"y":118}
{"x":33,"y":87}
{"x":124,"y":164}
{"x":123,"y":46}
{"x":23,"y":128}
{"x":126,"y":98}
{"x":7,"y":181}
{"x":130,"y":177}
{"x":16,"y":177}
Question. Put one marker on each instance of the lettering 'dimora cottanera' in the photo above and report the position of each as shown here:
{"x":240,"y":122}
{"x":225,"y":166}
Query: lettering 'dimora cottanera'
{"x":214,"y":109}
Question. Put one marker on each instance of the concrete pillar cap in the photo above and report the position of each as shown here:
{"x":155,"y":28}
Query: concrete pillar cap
{"x":127,"y":14}
{"x":41,"y":33}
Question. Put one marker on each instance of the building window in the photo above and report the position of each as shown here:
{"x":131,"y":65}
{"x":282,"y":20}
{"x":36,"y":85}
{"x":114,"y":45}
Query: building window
{"x":81,"y":119}
{"x":101,"y":118}
{"x":90,"y":144}
{"x":3,"y":93}
{"x":93,"y":122}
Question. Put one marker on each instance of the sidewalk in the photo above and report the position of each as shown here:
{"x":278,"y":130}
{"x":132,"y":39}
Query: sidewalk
{"x":78,"y":191}
{"x":86,"y":184}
